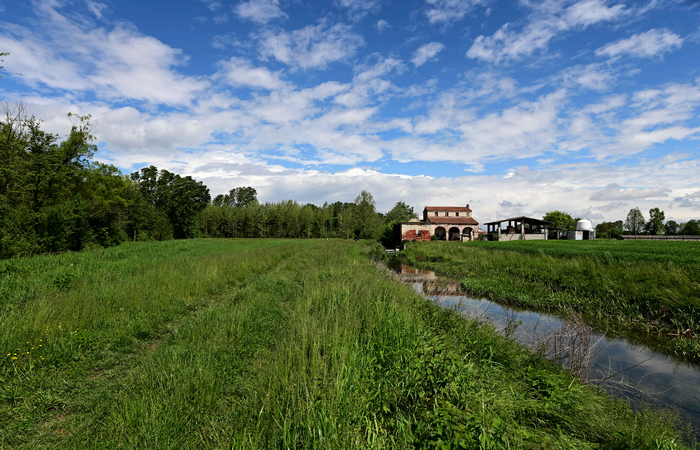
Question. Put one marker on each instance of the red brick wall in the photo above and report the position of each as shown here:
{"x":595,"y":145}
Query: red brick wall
{"x":412,"y":235}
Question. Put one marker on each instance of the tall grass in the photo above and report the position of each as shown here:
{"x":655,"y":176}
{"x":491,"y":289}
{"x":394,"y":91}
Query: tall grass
{"x":275,"y":344}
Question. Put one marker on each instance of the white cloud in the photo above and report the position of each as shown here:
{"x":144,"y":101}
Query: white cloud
{"x":589,"y":12}
{"x":426,"y":52}
{"x":360,"y":8}
{"x":548,"y":20}
{"x":382,"y":25}
{"x":240,"y":72}
{"x":312,"y":46}
{"x":652,"y":117}
{"x":212,"y":5}
{"x":446,"y":11}
{"x":260,"y":11}
{"x":117,"y":64}
{"x":97,"y":8}
{"x":615,"y":192}
{"x":644,"y":45}
{"x":592,"y":76}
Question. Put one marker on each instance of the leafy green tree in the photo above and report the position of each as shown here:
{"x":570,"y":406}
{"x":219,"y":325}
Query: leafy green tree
{"x":364,"y":217}
{"x":690,"y":228}
{"x":671,"y":228}
{"x":561,"y":221}
{"x":52,"y":197}
{"x":181,"y":199}
{"x":400,"y":212}
{"x":655,"y":225}
{"x":635,"y":221}
{"x":609,"y":229}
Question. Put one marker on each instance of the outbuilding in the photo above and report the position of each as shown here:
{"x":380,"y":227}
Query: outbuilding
{"x":517,"y":228}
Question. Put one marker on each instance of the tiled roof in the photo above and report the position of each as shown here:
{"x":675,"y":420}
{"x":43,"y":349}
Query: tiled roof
{"x":453,"y":220}
{"x":448,"y":208}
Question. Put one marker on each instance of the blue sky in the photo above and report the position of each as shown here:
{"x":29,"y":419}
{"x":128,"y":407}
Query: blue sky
{"x":515,"y":107}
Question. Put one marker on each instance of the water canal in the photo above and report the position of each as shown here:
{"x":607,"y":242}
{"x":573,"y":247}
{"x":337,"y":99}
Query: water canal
{"x":625,"y":366}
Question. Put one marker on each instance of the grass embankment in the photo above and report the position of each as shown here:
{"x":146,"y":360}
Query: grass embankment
{"x":651,"y":286}
{"x":273,"y":344}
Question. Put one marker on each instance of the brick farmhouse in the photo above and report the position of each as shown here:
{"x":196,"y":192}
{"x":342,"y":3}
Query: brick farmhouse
{"x":454,"y":223}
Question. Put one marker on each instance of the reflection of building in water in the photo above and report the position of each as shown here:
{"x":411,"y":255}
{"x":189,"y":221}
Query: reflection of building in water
{"x":442,"y":287}
{"x":411,"y":274}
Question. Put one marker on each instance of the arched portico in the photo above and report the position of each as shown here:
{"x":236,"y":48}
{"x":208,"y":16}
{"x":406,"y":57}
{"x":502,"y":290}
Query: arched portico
{"x":454,"y":234}
{"x":440,"y":233}
{"x":467,"y":233}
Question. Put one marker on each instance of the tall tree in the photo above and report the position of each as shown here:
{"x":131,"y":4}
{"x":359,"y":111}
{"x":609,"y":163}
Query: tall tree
{"x":52,"y":198}
{"x":655,"y":225}
{"x":634,"y":221}
{"x":181,"y":199}
{"x":364,"y":217}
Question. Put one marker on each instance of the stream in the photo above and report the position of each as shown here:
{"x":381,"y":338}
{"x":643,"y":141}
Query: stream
{"x":622,"y":366}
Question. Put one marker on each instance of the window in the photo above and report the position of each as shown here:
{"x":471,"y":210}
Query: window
{"x":436,"y":213}
{"x":447,"y":214}
{"x":457,"y":214}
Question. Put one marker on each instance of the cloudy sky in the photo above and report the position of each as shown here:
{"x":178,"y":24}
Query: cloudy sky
{"x":515,"y":107}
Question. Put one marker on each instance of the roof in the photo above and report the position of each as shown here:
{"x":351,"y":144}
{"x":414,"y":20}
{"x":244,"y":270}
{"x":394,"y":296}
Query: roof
{"x":528,"y":220}
{"x":448,"y":208}
{"x":453,"y":220}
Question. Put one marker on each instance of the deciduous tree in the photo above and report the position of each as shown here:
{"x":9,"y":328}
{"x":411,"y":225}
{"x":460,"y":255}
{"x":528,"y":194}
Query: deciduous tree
{"x":400,"y":212}
{"x":690,"y":228}
{"x":635,"y":221}
{"x":671,"y":228}
{"x":655,"y":225}
{"x":561,"y":221}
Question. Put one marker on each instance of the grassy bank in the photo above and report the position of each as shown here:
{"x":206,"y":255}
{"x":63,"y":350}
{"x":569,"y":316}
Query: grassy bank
{"x":273,"y":344}
{"x":649,"y":286}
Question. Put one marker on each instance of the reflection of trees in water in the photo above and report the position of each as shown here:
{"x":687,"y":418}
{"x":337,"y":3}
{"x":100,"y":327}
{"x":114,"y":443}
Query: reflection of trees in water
{"x":441,"y":287}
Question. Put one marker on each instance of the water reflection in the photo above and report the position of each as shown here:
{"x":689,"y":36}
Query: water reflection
{"x":623,"y":367}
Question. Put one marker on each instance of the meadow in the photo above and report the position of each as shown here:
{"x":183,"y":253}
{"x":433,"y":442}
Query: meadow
{"x":646,"y":286}
{"x":274,"y":344}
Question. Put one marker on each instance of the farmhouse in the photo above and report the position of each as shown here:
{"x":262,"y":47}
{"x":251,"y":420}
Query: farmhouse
{"x":454,"y":223}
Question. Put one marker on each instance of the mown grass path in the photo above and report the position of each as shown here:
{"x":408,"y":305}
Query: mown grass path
{"x":273,"y":344}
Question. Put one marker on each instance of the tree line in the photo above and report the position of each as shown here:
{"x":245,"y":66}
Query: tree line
{"x":55,"y":198}
{"x":635,"y":223}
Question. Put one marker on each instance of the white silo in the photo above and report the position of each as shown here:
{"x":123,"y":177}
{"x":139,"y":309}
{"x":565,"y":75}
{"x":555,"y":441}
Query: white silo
{"x":584,"y":230}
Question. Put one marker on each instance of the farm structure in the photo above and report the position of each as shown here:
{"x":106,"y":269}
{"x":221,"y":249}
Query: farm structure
{"x":517,"y":228}
{"x":453,"y":223}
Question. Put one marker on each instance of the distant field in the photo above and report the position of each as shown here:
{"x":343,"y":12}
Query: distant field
{"x":684,"y":254}
{"x":273,"y":344}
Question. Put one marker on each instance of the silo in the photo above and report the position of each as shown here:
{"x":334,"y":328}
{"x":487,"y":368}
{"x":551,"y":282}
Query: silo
{"x":584,"y":230}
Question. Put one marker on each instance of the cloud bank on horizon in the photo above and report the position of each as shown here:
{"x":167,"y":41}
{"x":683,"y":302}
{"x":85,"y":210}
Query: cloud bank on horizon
{"x":588,"y":106}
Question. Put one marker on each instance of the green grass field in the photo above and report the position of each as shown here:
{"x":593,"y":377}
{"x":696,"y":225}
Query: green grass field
{"x":273,"y":344}
{"x":648,"y":286}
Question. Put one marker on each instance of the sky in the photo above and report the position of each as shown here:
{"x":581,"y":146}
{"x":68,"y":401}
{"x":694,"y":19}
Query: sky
{"x":514,"y":107}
